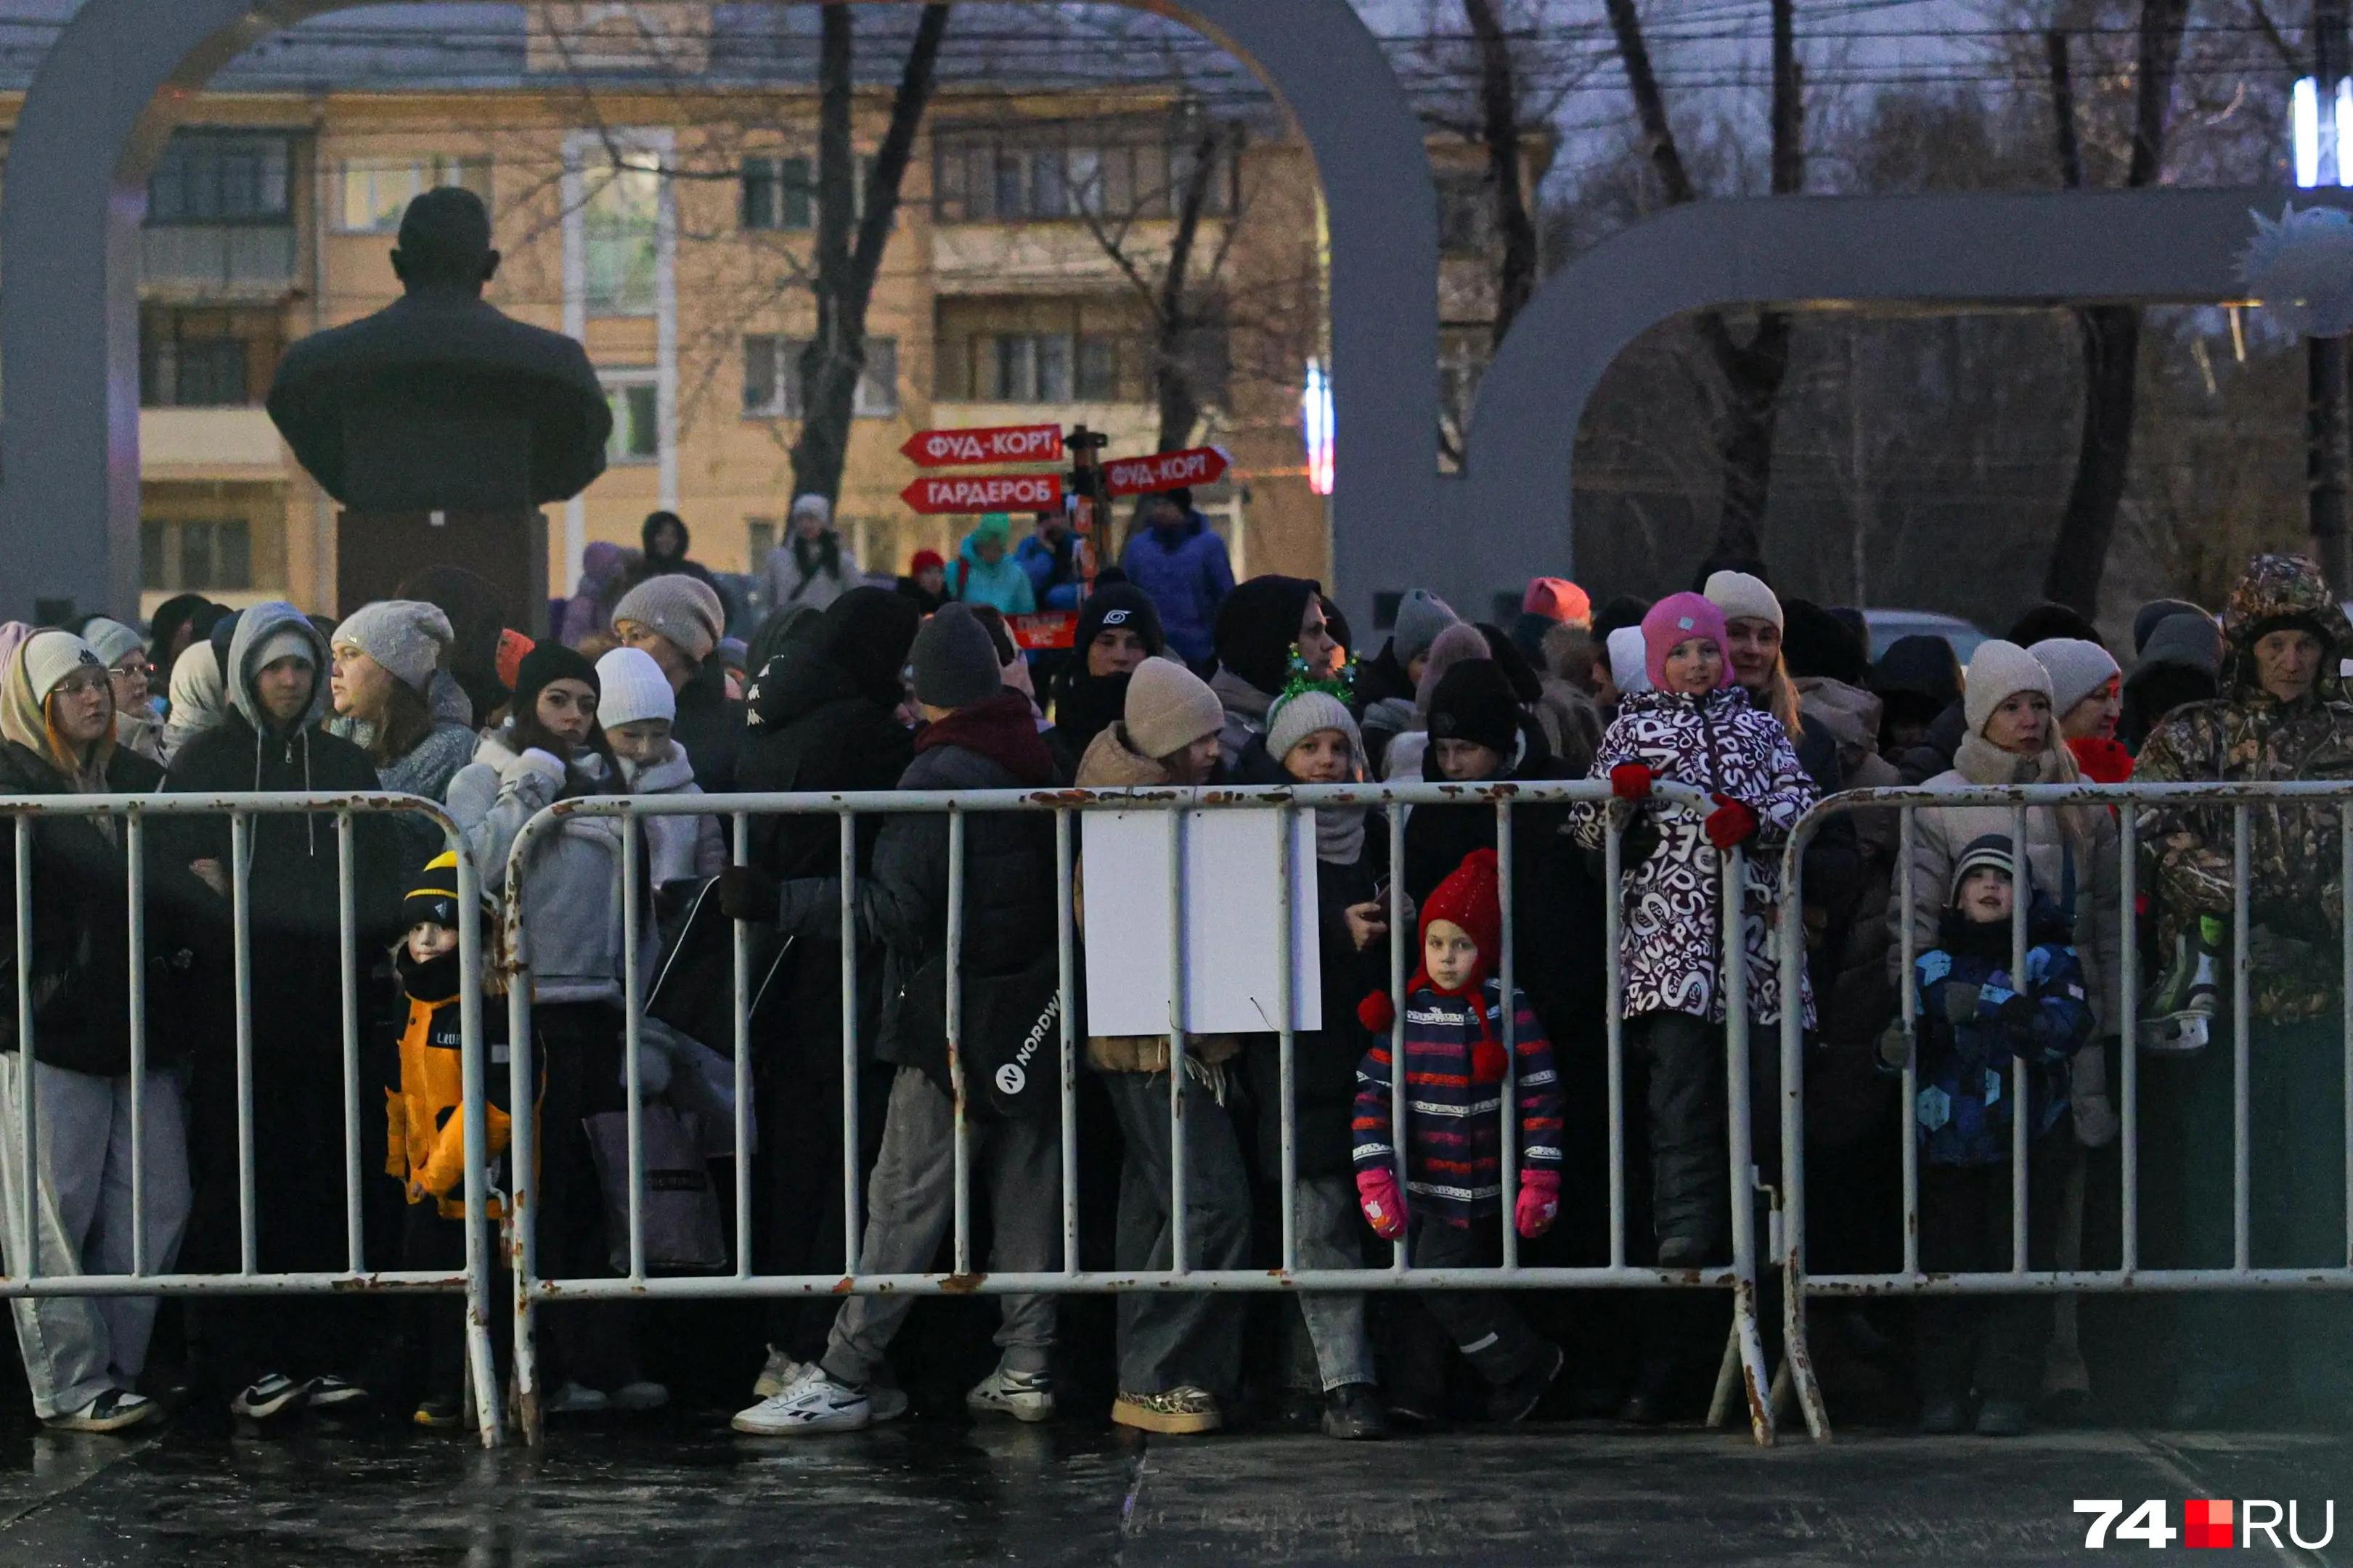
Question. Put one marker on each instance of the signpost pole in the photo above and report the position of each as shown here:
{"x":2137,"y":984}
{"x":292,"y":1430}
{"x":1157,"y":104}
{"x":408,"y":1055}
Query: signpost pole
{"x":1090,"y":512}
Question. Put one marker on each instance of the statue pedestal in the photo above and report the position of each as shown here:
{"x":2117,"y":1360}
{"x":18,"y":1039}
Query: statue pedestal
{"x":377,"y":551}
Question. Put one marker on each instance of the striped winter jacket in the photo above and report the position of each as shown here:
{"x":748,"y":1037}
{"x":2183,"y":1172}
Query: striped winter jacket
{"x":1454,"y":1127}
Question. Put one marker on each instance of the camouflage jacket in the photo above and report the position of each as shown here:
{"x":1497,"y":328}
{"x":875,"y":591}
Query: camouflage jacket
{"x":2293,"y":863}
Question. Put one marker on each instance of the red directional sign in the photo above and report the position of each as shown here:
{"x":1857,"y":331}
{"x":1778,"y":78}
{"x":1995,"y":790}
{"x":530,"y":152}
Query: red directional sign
{"x":1000,"y":443}
{"x":1164,"y":471}
{"x":983,"y":492}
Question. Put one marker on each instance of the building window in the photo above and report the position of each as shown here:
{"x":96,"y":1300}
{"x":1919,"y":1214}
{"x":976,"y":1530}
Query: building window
{"x":760,"y":536}
{"x":204,"y":358}
{"x":1466,"y":215}
{"x":1044,"y":367}
{"x":181,"y":556}
{"x":1131,"y":168}
{"x":635,"y":401}
{"x":621,"y":230}
{"x":771,"y":378}
{"x":372,"y":194}
{"x":216,"y":177}
{"x":780,"y":192}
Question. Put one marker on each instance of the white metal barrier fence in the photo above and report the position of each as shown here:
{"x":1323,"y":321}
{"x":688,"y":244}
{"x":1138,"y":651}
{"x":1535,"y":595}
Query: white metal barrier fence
{"x":1066,"y":808}
{"x":134,"y":813}
{"x":2241,"y":800}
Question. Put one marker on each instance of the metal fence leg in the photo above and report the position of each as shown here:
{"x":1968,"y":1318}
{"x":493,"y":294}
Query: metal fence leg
{"x":1743,"y":1182}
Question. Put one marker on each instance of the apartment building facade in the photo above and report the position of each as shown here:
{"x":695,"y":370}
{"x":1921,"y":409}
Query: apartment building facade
{"x":667,"y":220}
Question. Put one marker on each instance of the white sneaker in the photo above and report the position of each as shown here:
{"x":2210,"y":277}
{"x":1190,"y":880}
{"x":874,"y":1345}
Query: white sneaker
{"x":815,"y":1404}
{"x":577,"y":1399}
{"x":779,"y":1373}
{"x":1024,"y":1395}
{"x":640,"y":1397}
{"x":111,"y":1411}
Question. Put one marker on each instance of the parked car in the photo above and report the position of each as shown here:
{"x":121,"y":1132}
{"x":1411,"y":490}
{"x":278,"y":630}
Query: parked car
{"x":1886,"y":626}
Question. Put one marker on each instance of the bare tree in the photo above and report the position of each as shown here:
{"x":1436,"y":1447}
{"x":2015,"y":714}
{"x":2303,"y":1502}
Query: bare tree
{"x":1751,"y":371}
{"x":2109,"y":335}
{"x":847,"y":263}
{"x":1503,"y":129}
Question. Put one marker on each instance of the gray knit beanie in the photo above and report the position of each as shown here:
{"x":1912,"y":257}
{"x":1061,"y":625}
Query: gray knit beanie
{"x":110,"y":640}
{"x":2077,"y":669}
{"x":1302,"y":714}
{"x":2189,"y":639}
{"x":683,"y":608}
{"x":407,"y":637}
{"x":954,"y":660}
{"x":1420,"y":616}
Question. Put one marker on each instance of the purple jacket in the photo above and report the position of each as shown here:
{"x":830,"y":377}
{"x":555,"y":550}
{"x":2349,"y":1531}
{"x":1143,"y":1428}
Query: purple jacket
{"x":1189,"y":576}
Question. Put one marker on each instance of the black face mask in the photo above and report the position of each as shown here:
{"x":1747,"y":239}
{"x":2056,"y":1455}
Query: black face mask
{"x":432,"y":979}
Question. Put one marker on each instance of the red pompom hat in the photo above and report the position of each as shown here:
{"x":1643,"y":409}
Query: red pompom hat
{"x":1472,"y":898}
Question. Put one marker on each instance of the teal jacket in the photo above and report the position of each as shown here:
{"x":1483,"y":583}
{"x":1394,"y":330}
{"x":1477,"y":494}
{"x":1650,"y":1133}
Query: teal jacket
{"x":1005,"y":584}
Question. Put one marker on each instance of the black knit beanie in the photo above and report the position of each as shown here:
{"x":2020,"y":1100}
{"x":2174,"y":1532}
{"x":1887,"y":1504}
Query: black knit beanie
{"x":1120,"y":604}
{"x":1257,"y":625}
{"x":550,"y":660}
{"x":1817,"y":643}
{"x":1474,"y":702}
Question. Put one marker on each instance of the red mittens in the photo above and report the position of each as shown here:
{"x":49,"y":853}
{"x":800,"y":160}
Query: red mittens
{"x":1384,"y":1206}
{"x":1631,"y":781}
{"x":1539,"y":1202}
{"x":1729,"y":823}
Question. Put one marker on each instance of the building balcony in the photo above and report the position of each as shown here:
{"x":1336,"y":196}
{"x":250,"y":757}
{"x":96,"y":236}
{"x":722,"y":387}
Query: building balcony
{"x":226,"y":444}
{"x":218,"y":262}
{"x":1061,"y":257}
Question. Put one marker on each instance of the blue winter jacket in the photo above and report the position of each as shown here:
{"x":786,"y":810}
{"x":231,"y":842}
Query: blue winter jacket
{"x":1054,"y":573}
{"x":1187,"y":574}
{"x":1964,"y":1096}
{"x":1005,"y":584}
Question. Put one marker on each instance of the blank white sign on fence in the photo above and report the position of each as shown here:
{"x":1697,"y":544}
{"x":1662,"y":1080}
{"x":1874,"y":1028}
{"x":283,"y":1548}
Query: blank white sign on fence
{"x":1234,"y":938}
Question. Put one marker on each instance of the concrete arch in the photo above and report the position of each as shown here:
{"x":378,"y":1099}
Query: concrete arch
{"x":2147,"y":247}
{"x":107,"y":93}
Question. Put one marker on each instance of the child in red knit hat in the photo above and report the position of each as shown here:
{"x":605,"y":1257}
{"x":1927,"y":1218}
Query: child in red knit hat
{"x":1454,"y":1070}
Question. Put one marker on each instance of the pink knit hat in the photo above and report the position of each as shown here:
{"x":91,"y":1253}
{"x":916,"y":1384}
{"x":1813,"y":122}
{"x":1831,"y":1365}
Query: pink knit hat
{"x":1674,"y":619}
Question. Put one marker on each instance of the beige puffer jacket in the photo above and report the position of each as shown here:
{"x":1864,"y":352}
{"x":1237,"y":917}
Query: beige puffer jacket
{"x":1112,"y":762}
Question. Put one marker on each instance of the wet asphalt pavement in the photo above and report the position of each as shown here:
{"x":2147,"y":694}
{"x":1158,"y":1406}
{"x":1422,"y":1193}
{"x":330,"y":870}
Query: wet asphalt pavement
{"x":910,"y":1495}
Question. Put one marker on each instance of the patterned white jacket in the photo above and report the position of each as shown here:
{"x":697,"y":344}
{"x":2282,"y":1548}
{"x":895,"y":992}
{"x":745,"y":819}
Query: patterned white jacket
{"x":1670,"y":939}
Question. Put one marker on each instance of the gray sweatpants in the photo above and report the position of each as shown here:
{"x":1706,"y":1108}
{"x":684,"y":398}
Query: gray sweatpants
{"x":1326,"y":1220}
{"x":911,"y":1209}
{"x":78,"y":1347}
{"x":1172,"y":1339}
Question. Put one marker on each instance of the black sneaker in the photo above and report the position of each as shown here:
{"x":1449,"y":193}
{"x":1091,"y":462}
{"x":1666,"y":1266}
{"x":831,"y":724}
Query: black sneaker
{"x":2004,"y":1418}
{"x":1352,"y":1414}
{"x":1940,"y":1415}
{"x":1517,"y":1399}
{"x":440,"y":1412}
{"x":1299,"y":1410}
{"x":112,"y":1411}
{"x":269,"y":1398}
{"x":325,"y":1392}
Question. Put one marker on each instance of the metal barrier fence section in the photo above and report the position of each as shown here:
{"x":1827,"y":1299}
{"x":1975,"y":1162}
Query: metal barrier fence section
{"x":1068,"y":809}
{"x":2241,"y":800}
{"x":133,"y":814}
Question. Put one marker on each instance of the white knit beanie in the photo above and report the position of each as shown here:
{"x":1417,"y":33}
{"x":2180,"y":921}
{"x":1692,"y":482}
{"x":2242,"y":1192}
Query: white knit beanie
{"x":630,"y":687}
{"x":405,"y":635}
{"x":1742,"y":598}
{"x":110,"y":640}
{"x":812,"y":502}
{"x":1629,"y":661}
{"x":1294,"y":718}
{"x":683,"y":608}
{"x":2078,"y":668}
{"x":50,"y":656}
{"x":1997,"y":671}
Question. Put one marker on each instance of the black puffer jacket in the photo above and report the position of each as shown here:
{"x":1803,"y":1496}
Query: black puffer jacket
{"x":1324,"y":1063}
{"x":81,"y":947}
{"x":1556,"y":904}
{"x":710,"y":725}
{"x":1009,"y":874}
{"x":812,"y":729}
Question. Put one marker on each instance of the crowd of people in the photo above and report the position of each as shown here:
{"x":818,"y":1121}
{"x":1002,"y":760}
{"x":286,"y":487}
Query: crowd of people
{"x":1175,"y":677}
